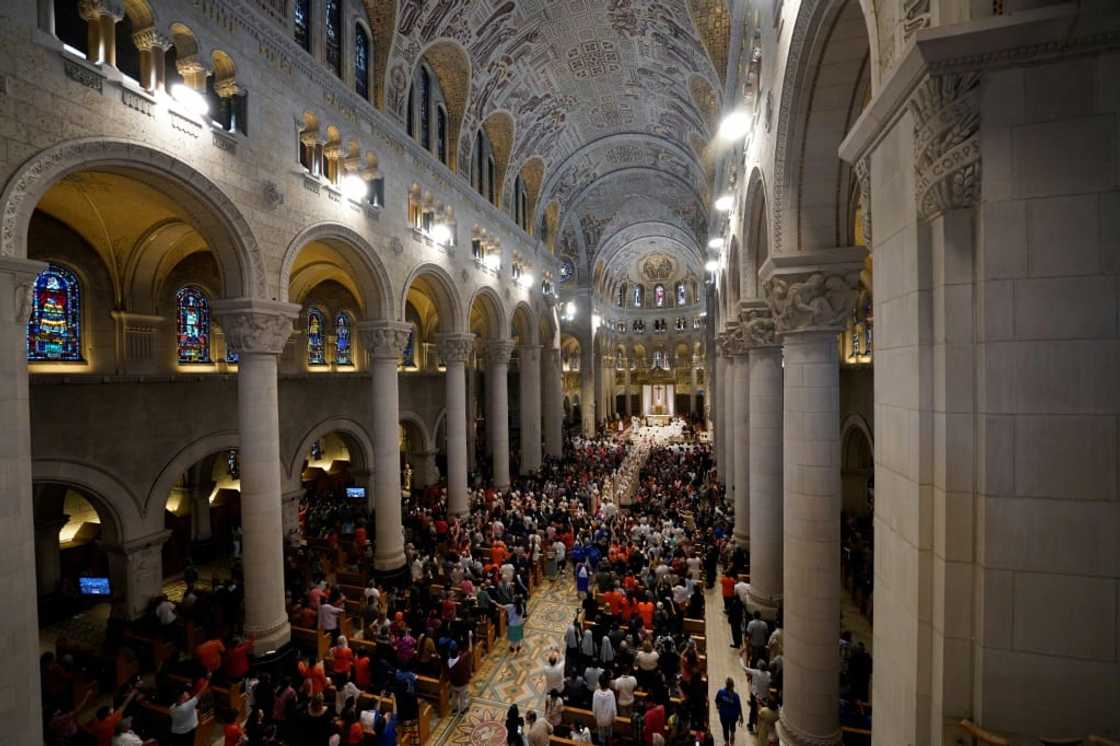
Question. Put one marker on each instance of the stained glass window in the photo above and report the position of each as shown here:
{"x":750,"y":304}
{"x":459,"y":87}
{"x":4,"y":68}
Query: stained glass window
{"x":361,"y":61}
{"x":54,"y":331}
{"x":408,"y":357}
{"x":682,"y":295}
{"x":639,"y":295}
{"x":659,"y":296}
{"x":232,"y":356}
{"x":192,"y":325}
{"x":316,"y":327}
{"x":425,"y":108}
{"x":411,"y":116}
{"x":343,"y":347}
{"x":622,"y":294}
{"x":301,"y":16}
{"x":333,"y":18}
{"x":233,"y":464}
{"x":441,"y":134}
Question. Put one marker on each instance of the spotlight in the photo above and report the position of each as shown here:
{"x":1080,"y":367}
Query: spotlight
{"x":525,"y":280}
{"x":734,"y":126}
{"x":493,"y":261}
{"x":712,"y":266}
{"x":570,"y":309}
{"x":441,"y":234}
{"x":190,"y":99}
{"x":715,"y":243}
{"x":724,"y":203}
{"x":354,"y":187}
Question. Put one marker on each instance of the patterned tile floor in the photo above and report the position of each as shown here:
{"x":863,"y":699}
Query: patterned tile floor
{"x":506,"y":678}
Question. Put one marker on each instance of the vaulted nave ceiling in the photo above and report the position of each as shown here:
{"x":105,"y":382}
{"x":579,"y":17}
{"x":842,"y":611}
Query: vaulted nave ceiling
{"x":618,"y":98}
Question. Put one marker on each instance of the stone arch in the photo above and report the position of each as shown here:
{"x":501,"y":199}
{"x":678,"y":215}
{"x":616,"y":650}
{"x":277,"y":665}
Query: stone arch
{"x":372,"y":279}
{"x":352,"y":430}
{"x":532,"y":176}
{"x":756,"y":232}
{"x":412,"y":418}
{"x":213,"y":214}
{"x":490,"y":307}
{"x":439,"y":284}
{"x":382,"y":21}
{"x":119,"y":503}
{"x":452,"y":67}
{"x":832,"y":33}
{"x":524,"y":324}
{"x":499,"y":128}
{"x":193,"y":452}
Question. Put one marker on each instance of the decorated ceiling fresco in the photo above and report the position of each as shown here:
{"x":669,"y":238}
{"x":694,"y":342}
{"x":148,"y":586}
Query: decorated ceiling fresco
{"x":594,"y":88}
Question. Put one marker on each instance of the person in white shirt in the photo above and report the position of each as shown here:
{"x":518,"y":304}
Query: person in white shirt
{"x":124,"y":735}
{"x":743,"y":591}
{"x":554,"y":672}
{"x":604,"y":708}
{"x":328,"y":619}
{"x":760,"y":690}
{"x":624,"y":687}
{"x":165,"y":611}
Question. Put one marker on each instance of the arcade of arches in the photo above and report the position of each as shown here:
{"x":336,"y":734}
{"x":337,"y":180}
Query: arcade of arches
{"x":257,"y":250}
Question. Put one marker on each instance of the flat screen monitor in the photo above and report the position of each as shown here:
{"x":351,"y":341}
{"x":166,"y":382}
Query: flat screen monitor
{"x":358,"y":493}
{"x":94,"y":586}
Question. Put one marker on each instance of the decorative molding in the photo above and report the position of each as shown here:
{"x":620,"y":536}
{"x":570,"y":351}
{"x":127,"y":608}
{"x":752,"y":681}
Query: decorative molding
{"x":797,"y":737}
{"x":454,"y":348}
{"x":255,"y":326}
{"x":497,"y":351}
{"x":310,"y":183}
{"x":223,"y":141}
{"x":137,"y":101}
{"x":916,"y":16}
{"x":185,"y":124}
{"x":757,"y":326}
{"x":863,"y":174}
{"x":82,"y":74}
{"x":384,"y":340}
{"x":149,"y":38}
{"x":818,"y":300}
{"x":946,"y":111}
{"x":396,"y":245}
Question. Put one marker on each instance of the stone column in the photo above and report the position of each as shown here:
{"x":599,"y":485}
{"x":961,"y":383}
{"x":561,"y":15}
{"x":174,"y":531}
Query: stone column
{"x":258,"y":330}
{"x":692,"y":387}
{"x":498,"y":352}
{"x":719,"y":393}
{"x":384,"y":342}
{"x":454,"y":349}
{"x":552,"y":380}
{"x":153,"y":48}
{"x":626,"y":388}
{"x":765,"y":460}
{"x":587,"y":385}
{"x":48,"y":557}
{"x":739,"y":368}
{"x":136,"y":575}
{"x":19,"y":645}
{"x":811,"y":297}
{"x":529,"y":381}
{"x":101,"y":18}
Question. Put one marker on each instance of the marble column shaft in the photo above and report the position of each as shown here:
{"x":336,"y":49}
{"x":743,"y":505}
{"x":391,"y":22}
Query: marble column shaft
{"x":385,"y":342}
{"x":766,"y":478}
{"x":529,"y":384}
{"x":454,"y":349}
{"x":587,"y":386}
{"x":740,"y":463}
{"x":498,"y":352}
{"x":553,"y":403}
{"x":258,"y":331}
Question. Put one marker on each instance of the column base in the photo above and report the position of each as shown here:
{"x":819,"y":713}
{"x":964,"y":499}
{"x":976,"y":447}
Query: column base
{"x":277,"y":662}
{"x":766,"y":606}
{"x":393,"y":576}
{"x":270,"y":641}
{"x":742,"y":539}
{"x":790,"y":736}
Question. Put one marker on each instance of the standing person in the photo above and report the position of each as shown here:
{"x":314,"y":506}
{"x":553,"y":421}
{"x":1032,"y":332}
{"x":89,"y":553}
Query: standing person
{"x":515,"y":727}
{"x":759,"y":633}
{"x":515,"y":629}
{"x":760,"y":689}
{"x":554,"y":708}
{"x":605,"y":709}
{"x":730,"y":710}
{"x":735,"y":617}
{"x":539,"y":729}
{"x":328,"y":619}
{"x":459,"y":673}
{"x":184,"y":716}
{"x":554,"y":671}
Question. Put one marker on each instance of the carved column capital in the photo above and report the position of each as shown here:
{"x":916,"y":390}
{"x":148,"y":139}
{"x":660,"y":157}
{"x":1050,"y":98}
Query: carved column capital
{"x":863,"y":175}
{"x":91,"y":10}
{"x":454,"y":347}
{"x":946,"y":111}
{"x":148,"y":39}
{"x":23,"y":273}
{"x":756,"y":322}
{"x":497,"y":351}
{"x":384,"y":340}
{"x":813,"y":291}
{"x":529,"y":353}
{"x":255,"y":326}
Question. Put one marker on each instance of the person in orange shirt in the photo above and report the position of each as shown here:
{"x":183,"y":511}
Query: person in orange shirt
{"x":727,"y":590}
{"x":617,"y":602}
{"x":314,"y":677}
{"x":104,"y":725}
{"x":342,"y":657}
{"x":645,"y":611}
{"x":210,"y":654}
{"x":498,"y":553}
{"x":361,"y":671}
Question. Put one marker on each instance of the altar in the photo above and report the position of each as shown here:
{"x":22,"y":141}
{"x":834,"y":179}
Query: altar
{"x":658,"y":403}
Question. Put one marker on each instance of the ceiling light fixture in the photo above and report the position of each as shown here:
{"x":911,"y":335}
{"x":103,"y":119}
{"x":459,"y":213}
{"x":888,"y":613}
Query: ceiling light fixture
{"x":441,"y":234}
{"x":734,"y":126}
{"x":712,"y":265}
{"x":190,"y":99}
{"x":354,"y":187}
{"x":725,"y":203}
{"x":525,"y":280}
{"x":715,"y":243}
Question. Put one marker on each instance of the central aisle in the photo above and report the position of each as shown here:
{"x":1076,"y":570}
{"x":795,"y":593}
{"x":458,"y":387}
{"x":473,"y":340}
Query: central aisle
{"x":507,"y":679}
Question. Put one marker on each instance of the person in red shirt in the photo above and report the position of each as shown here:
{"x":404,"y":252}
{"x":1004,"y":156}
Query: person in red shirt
{"x":342,"y":657}
{"x":232,"y":734}
{"x":361,"y":671}
{"x":237,"y":658}
{"x":104,"y":725}
{"x":360,"y":538}
{"x":314,"y":675}
{"x":727,"y":590}
{"x":210,"y":654}
{"x":645,"y":611}
{"x":654,"y":722}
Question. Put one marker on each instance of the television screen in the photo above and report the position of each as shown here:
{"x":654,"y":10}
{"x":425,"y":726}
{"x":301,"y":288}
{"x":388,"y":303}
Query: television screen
{"x":356,"y":492}
{"x":94,"y":586}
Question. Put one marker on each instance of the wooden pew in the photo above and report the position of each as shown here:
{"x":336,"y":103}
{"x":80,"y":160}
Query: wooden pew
{"x":369,"y":701}
{"x":981,"y":737}
{"x":312,"y":639}
{"x":555,"y":740}
{"x":433,"y":689}
{"x":203,"y":736}
{"x":694,"y":626}
{"x":150,"y":648}
{"x":351,"y":578}
{"x":577,"y":716}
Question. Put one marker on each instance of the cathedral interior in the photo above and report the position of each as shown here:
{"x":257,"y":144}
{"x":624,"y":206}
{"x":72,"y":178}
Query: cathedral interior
{"x":871,"y":248}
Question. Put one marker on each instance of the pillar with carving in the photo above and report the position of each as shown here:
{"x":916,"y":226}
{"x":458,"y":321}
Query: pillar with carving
{"x":101,"y":18}
{"x":384,"y":342}
{"x":153,"y":47}
{"x":258,"y":331}
{"x":454,"y":349}
{"x":497,"y":353}
{"x":529,"y":383}
{"x":811,"y":296}
{"x":739,"y":464}
{"x":552,"y":383}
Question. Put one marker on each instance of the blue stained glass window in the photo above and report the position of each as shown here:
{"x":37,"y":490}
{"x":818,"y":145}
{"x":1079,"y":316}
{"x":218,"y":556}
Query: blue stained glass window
{"x":316,"y":350}
{"x":232,"y":356}
{"x":233,"y":464}
{"x":639,"y":295}
{"x":301,"y":16}
{"x":425,"y":108}
{"x":192,"y":325}
{"x":408,"y":359}
{"x":343,"y":347}
{"x":333,"y":12}
{"x":682,"y":295}
{"x":361,"y":61}
{"x":54,"y":331}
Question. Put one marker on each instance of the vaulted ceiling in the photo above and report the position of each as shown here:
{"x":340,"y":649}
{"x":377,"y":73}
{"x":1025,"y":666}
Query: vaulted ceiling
{"x":618,"y":98}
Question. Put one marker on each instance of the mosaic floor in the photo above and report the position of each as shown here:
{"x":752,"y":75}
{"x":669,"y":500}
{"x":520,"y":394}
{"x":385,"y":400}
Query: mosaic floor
{"x":506,"y":679}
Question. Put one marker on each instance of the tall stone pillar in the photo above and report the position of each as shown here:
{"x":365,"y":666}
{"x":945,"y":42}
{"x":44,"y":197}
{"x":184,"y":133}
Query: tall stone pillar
{"x":715,"y":406}
{"x":765,"y":459}
{"x":740,"y":464}
{"x":258,"y":330}
{"x":587,"y":385}
{"x":529,"y":382}
{"x":811,"y":297}
{"x":727,"y":406}
{"x":199,"y":490}
{"x":136,"y":575}
{"x":497,"y":353}
{"x":626,"y":388}
{"x":48,"y":556}
{"x":692,"y":387}
{"x":153,"y":47}
{"x":552,"y":385}
{"x":19,"y":693}
{"x":454,"y":349}
{"x":385,"y":342}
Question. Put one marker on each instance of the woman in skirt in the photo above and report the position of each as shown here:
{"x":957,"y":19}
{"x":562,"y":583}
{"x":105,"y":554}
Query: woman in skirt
{"x":515,"y":628}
